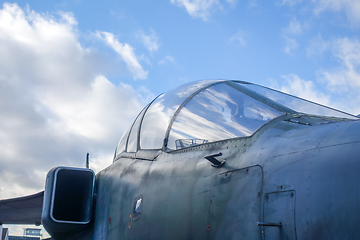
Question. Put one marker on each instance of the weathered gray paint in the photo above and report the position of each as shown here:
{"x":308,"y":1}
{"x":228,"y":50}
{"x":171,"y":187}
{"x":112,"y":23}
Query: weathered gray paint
{"x":184,"y":197}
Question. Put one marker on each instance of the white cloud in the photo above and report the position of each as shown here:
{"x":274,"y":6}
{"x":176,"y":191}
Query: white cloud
{"x":347,"y":75}
{"x":253,"y":3}
{"x":151,"y":41}
{"x":290,"y":3}
{"x":69,"y":18}
{"x":341,"y":83}
{"x":240,"y":37}
{"x":84,"y":114}
{"x":290,"y":45}
{"x":55,"y":104}
{"x":197,"y":8}
{"x":351,"y":8}
{"x":232,"y":2}
{"x":167,"y":60}
{"x":317,"y":46}
{"x":294,"y":27}
{"x":294,"y":85}
{"x":201,"y":8}
{"x":126,"y":52}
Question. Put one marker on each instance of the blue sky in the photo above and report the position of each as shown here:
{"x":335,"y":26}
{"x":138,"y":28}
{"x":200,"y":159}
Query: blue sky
{"x":74,"y":74}
{"x":249,"y":40}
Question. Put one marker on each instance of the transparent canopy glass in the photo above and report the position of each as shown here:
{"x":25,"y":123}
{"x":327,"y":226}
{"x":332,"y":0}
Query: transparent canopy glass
{"x":161,"y":111}
{"x":216,"y":113}
{"x":212,"y":110}
{"x":129,"y":142}
{"x":298,"y":104}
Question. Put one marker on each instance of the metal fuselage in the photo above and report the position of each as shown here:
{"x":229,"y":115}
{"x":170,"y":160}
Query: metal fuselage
{"x":299,"y":171}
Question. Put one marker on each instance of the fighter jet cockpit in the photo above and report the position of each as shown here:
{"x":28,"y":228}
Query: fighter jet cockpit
{"x":212,"y":110}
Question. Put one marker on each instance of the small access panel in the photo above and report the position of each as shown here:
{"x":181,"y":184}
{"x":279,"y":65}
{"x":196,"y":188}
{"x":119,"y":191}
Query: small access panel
{"x":279,"y":216}
{"x":235,"y":202}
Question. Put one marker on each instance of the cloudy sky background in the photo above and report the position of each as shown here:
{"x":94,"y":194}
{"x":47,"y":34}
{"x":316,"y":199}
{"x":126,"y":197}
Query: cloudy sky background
{"x":74,"y":74}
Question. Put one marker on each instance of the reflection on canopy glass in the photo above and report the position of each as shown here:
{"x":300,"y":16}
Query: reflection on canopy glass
{"x":130,"y":140}
{"x":207,"y":111}
{"x":133,"y":137}
{"x":159,"y":114}
{"x":216,"y":113}
{"x":122,"y":143}
{"x":297,"y":104}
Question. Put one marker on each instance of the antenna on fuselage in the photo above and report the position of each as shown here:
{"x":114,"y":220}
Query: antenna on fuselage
{"x":87,"y":160}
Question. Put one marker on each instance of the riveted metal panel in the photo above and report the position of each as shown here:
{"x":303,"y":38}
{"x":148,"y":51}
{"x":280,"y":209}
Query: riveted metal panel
{"x":235,"y":204}
{"x":279,"y":207}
